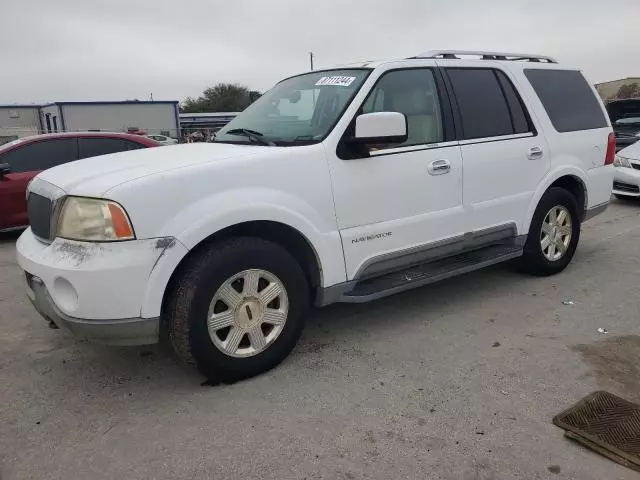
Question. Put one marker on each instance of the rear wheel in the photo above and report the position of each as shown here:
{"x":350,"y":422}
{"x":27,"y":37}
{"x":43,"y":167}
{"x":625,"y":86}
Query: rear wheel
{"x":238,"y":308}
{"x":553,"y":234}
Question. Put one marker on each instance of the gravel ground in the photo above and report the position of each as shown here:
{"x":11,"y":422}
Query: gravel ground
{"x":459,"y":380}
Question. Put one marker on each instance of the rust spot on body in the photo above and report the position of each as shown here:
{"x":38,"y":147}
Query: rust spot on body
{"x":165,"y":242}
{"x":77,"y":252}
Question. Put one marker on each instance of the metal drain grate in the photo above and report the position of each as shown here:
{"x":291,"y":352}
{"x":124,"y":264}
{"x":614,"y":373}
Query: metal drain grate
{"x":607,"y":424}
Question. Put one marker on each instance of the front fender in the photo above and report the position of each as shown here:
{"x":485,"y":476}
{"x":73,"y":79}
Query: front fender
{"x":199,"y":221}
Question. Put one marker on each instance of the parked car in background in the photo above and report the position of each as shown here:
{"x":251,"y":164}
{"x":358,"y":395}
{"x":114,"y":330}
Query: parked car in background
{"x":626,"y":179}
{"x":163,"y":139}
{"x":23,"y":159}
{"x":625,"y":118}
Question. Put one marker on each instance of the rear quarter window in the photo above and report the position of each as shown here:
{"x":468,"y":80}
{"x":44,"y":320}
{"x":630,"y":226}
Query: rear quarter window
{"x":567,"y":98}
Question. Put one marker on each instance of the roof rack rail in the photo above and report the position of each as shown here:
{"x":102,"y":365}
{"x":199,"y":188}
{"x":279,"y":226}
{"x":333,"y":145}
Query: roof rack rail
{"x":455,"y":54}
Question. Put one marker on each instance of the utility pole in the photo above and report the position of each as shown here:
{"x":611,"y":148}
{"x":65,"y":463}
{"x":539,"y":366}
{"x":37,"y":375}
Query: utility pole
{"x":311,"y":60}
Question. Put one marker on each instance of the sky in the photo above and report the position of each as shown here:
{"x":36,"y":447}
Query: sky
{"x":83,"y":50}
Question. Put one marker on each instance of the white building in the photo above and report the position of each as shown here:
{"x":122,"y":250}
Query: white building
{"x":19,"y":121}
{"x":159,"y":117}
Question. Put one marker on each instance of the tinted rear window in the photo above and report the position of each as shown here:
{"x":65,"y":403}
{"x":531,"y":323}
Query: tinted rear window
{"x":567,"y":98}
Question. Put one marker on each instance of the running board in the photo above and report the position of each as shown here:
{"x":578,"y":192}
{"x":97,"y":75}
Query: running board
{"x":431,"y":272}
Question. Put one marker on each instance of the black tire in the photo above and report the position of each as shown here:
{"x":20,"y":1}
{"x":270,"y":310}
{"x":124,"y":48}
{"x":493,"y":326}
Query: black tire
{"x":204,"y":273}
{"x":534,"y":261}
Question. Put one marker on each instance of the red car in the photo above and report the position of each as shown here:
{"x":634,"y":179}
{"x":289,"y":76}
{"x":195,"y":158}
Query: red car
{"x":23,"y":159}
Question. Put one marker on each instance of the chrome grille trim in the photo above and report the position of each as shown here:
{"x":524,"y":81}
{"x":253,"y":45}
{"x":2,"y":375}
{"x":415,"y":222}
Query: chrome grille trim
{"x":56,"y":195}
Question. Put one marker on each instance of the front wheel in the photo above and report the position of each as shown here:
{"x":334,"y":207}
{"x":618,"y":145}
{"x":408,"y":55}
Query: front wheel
{"x":238,"y":308}
{"x":553,"y":234}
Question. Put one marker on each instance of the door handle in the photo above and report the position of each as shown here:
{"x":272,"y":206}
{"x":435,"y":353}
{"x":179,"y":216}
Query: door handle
{"x":439,"y":167}
{"x":534,"y":153}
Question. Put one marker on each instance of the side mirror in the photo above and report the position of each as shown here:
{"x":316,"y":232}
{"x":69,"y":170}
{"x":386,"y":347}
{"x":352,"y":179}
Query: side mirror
{"x":380,"y":127}
{"x":4,"y":169}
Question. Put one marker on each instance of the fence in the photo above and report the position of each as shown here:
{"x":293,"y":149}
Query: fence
{"x":201,"y":128}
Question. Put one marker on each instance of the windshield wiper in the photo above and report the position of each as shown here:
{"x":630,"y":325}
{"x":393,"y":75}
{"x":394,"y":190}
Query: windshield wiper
{"x":256,"y":137}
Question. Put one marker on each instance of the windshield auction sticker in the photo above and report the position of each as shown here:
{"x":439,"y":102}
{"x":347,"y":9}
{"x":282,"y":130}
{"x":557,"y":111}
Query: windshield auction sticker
{"x":336,"y":81}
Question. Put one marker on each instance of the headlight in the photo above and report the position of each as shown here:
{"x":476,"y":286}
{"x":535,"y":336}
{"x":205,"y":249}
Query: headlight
{"x":91,"y":219}
{"x":621,"y":161}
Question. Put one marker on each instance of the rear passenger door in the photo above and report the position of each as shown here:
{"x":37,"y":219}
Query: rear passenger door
{"x":504,"y":157}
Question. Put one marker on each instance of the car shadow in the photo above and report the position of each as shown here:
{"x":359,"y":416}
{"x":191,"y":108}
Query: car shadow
{"x":424,"y":304}
{"x":337,"y":327}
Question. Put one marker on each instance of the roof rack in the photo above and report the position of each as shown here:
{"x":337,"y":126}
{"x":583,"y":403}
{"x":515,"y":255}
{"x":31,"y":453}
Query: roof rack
{"x":455,"y":54}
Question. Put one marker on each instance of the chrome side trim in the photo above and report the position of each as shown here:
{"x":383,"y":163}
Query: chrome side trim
{"x":333,"y":294}
{"x":389,"y":262}
{"x":413,"y":148}
{"x":514,"y":136}
{"x":397,"y":261}
{"x":341,"y":292}
{"x":597,"y":210}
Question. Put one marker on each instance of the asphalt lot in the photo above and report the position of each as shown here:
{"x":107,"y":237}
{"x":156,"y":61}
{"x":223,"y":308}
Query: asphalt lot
{"x":455,"y":381}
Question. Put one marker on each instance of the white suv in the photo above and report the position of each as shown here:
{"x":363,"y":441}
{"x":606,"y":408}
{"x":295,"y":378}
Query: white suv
{"x":342,"y":185}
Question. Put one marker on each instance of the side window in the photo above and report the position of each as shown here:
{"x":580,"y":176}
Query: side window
{"x":92,"y":147}
{"x":482,"y":105}
{"x":414,"y":93}
{"x":519,"y":117}
{"x":567,"y":98}
{"x":42,"y":155}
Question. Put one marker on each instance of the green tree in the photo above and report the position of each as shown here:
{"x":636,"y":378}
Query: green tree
{"x":223,"y":97}
{"x":628,"y":90}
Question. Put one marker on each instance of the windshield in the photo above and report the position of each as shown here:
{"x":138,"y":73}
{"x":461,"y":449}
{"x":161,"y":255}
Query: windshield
{"x":299,"y":110}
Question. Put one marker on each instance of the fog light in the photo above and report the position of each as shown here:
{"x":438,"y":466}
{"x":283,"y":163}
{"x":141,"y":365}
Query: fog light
{"x":65,"y":295}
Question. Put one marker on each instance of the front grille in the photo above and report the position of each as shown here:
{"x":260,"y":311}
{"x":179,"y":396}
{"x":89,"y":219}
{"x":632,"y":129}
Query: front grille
{"x":39,"y":209}
{"x":636,"y":166}
{"x":626,"y":187}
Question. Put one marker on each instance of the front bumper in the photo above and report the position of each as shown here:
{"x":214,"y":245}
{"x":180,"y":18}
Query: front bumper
{"x":626,"y":181}
{"x":128,"y":331}
{"x":98,"y":290}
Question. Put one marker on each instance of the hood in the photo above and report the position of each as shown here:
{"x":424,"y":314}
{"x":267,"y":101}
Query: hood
{"x":632,"y":152}
{"x":619,"y":109}
{"x":94,"y":176}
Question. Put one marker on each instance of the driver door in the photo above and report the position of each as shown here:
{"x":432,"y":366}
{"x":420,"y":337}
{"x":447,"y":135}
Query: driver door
{"x":401,"y":204}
